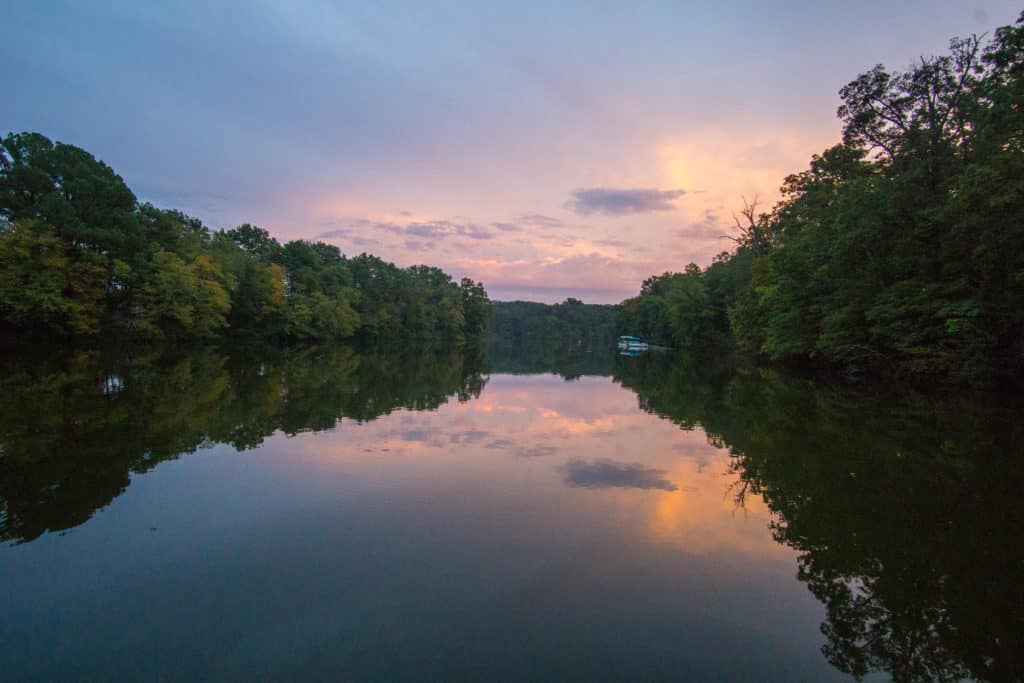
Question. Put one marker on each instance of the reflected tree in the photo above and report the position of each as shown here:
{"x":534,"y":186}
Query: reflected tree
{"x":904,"y":508}
{"x":75,"y":426}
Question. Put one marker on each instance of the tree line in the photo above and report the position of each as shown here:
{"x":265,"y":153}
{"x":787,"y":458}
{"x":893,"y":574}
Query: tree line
{"x":899,"y":250}
{"x":80,"y":256}
{"x":571,"y":323}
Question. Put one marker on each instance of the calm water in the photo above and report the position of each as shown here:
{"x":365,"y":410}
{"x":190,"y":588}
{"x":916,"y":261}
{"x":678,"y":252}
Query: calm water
{"x":363,"y":515}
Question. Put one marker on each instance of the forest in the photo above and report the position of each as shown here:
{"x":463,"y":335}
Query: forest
{"x":899,"y":251}
{"x":80,"y":256}
{"x":571,"y":323}
{"x":571,"y":339}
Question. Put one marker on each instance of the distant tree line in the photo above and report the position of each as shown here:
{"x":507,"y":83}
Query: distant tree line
{"x":80,"y":256}
{"x":901,"y":249}
{"x":570,"y":324}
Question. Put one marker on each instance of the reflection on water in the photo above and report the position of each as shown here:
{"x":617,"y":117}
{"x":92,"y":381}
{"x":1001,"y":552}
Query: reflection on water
{"x":73,"y":428}
{"x":442,"y":515}
{"x":904,"y":509}
{"x":565,"y":360}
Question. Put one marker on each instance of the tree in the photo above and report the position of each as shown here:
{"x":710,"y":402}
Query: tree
{"x":900,"y":250}
{"x":476,"y":307}
{"x":82,"y":256}
{"x":43,"y":288}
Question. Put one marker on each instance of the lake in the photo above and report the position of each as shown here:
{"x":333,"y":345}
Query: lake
{"x":325,"y":514}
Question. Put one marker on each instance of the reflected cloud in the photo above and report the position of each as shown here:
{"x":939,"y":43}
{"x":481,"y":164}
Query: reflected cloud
{"x":415,"y":435}
{"x":538,"y":451}
{"x":469,"y":437}
{"x":606,"y":473}
{"x":139,"y":416}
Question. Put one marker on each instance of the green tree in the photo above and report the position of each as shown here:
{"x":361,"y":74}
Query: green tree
{"x":900,"y":250}
{"x":81,"y":256}
{"x":35,"y":281}
{"x":476,"y":307}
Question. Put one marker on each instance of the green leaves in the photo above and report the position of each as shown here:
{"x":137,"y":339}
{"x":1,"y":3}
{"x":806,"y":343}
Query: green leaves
{"x":900,"y":250}
{"x":181,"y":300}
{"x":79,"y":256}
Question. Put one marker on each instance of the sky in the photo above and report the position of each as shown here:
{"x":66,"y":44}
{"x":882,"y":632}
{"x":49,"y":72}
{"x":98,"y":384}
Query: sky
{"x":546,"y":149}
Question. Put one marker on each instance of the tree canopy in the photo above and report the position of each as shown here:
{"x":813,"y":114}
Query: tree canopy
{"x":572,"y":323}
{"x":899,"y":250}
{"x":80,"y":256}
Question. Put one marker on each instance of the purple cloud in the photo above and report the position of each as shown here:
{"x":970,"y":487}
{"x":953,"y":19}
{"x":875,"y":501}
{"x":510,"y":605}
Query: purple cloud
{"x":619,"y":202}
{"x":413,"y":245}
{"x":540,"y":220}
{"x":333,"y":234}
{"x":424,"y":230}
{"x":610,"y":242}
{"x":507,"y":227}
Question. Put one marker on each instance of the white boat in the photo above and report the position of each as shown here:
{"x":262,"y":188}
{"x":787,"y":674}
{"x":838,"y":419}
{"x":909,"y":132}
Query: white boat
{"x":627,"y":343}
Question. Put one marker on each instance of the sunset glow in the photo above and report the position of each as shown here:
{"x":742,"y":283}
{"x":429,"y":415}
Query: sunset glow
{"x":545,"y":151}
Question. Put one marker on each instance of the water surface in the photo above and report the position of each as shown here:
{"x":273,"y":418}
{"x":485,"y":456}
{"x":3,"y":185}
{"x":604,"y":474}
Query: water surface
{"x":357,"y":514}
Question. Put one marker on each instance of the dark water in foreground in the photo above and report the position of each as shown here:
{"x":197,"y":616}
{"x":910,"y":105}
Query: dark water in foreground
{"x":342,"y":514}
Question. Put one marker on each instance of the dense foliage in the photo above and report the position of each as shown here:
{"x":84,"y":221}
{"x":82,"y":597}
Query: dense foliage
{"x":80,"y":255}
{"x":572,"y":323}
{"x":901,"y":249}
